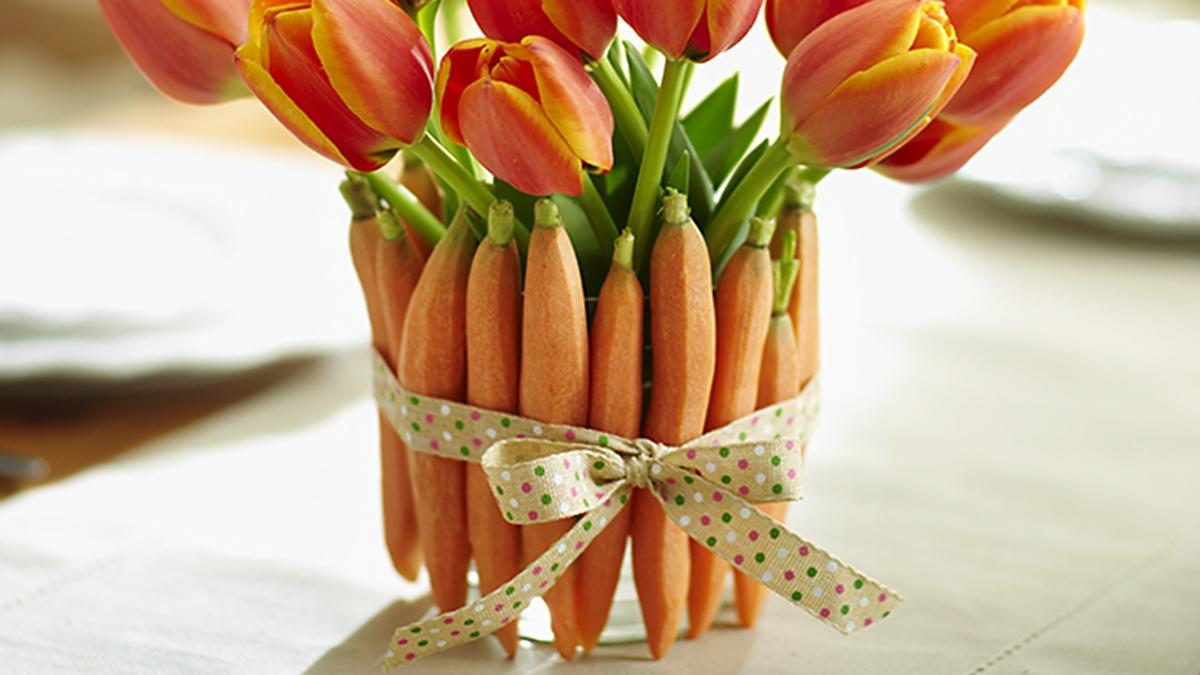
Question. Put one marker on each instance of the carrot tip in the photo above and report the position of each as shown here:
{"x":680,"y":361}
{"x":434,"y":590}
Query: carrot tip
{"x":761,"y":230}
{"x":389,"y":224}
{"x":545,"y":214}
{"x":799,"y":195}
{"x":500,"y":222}
{"x":623,"y":249}
{"x":359,"y":196}
{"x":675,"y":207}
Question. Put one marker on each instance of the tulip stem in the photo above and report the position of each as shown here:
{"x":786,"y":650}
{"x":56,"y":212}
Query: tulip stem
{"x":654,"y":159}
{"x":630,"y":122}
{"x":598,"y":215}
{"x":741,"y":202}
{"x":476,"y":194}
{"x":406,"y":205}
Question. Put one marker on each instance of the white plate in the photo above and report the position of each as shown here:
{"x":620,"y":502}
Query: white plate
{"x":122,"y":257}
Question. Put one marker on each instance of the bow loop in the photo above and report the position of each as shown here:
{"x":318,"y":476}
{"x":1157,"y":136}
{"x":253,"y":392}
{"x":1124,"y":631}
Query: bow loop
{"x":537,"y":480}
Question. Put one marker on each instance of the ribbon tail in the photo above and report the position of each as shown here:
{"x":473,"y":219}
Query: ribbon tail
{"x":489,"y":613}
{"x":766,"y":550}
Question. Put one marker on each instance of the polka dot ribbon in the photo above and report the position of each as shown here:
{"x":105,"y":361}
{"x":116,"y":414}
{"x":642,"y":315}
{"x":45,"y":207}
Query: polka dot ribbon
{"x":542,"y":472}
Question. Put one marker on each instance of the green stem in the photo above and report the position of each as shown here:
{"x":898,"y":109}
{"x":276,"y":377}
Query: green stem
{"x":427,"y":22}
{"x":654,"y":159}
{"x":598,"y":215}
{"x":740,"y":204}
{"x":407,"y":206}
{"x":629,"y":119}
{"x":476,"y":194}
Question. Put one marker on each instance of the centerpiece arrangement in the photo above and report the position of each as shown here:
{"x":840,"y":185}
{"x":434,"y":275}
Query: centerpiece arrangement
{"x":596,"y":315}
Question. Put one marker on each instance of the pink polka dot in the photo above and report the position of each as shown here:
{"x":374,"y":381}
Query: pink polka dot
{"x":429,"y":419}
{"x":670,"y":481}
{"x":867,"y":622}
{"x":475,"y":416}
{"x":570,"y":435}
{"x":790,"y":445}
{"x":448,"y":621}
{"x":526,"y":488}
{"x":477,"y":441}
{"x":499,"y":607}
{"x":791,"y":473}
{"x":599,"y":495}
{"x":566,"y":463}
{"x":803,"y":550}
{"x":883,"y":597}
{"x":704,"y":520}
{"x":533,"y":515}
{"x":839,"y":589}
{"x":537,"y":570}
{"x":737,"y":559}
{"x":753,"y":535}
{"x":691,"y":454}
{"x":744,"y":490}
{"x":754,"y":420}
{"x":543,"y":584}
{"x":433,"y":444}
{"x":578,"y":545}
{"x":717,"y":496}
{"x":505,"y":620}
{"x":402,"y":642}
{"x":607,"y":503}
{"x":789,"y":575}
{"x":410,"y":656}
{"x":825,"y":614}
{"x":519,"y":436}
{"x":455,"y":633}
{"x":574,"y":492}
{"x":790,"y":420}
{"x":742,"y":464}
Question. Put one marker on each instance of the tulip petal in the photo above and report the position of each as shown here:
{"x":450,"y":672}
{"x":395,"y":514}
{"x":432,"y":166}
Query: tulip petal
{"x":460,"y":68}
{"x":226,"y":19}
{"x":573,"y":103}
{"x":587,"y":24}
{"x":667,"y":26}
{"x":874,"y":109}
{"x":1020,"y":56}
{"x":728,"y":22}
{"x":938,"y":151}
{"x":181,"y":60}
{"x":966,"y":62}
{"x":849,"y":43}
{"x":970,"y":15}
{"x":510,"y":135}
{"x":378,"y":63}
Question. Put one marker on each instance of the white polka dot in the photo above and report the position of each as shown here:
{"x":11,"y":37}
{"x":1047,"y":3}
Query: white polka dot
{"x":563,"y":508}
{"x":760,"y":450}
{"x":478,"y":608}
{"x":558,"y":479}
{"x":768,"y":429}
{"x":487,"y":622}
{"x":697,"y":497}
{"x":514,"y":503}
{"x":603,"y":521}
{"x":745,"y":512}
{"x":526,"y":587}
{"x":863,"y":602}
{"x":831,"y":566}
{"x":731,"y":537}
{"x":850,"y":627}
{"x":656,"y":469}
{"x":537,"y":429}
{"x":441,"y":643}
{"x":562,"y":548}
{"x":818,"y":592}
{"x":446,"y":435}
{"x":404,"y":410}
{"x":710,"y":467}
{"x":435,"y":630}
{"x":445,"y":409}
{"x":760,"y":479}
{"x":782,"y":553}
{"x":685,"y":520}
{"x":506,"y":475}
{"x":767,"y":577}
{"x":491,"y":433}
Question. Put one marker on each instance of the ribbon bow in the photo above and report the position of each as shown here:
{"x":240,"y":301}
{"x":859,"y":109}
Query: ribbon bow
{"x":542,"y":472}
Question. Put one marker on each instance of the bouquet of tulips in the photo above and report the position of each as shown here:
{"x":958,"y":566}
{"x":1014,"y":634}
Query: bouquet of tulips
{"x":559,"y":238}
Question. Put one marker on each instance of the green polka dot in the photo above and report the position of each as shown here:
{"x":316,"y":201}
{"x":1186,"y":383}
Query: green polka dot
{"x":587,"y":503}
{"x":508,"y":515}
{"x":458,"y":425}
{"x":504,"y":422}
{"x":726,"y":517}
{"x":539,"y":471}
{"x":469,"y":622}
{"x":796,"y":596}
{"x":474,"y":634}
{"x":776,"y":461}
{"x":545,"y":499}
{"x":886,"y":614}
{"x":464,"y":451}
{"x":499,"y":490}
{"x":517,"y":605}
{"x":603,"y":440}
{"x":679,"y":500}
{"x":777,"y":488}
{"x":759,"y":557}
{"x":554,"y":567}
{"x":416,"y":629}
{"x":779,"y":412}
{"x":414,"y":400}
{"x":711,"y":541}
{"x":724,"y":452}
{"x":510,"y":590}
{"x":422,"y":643}
{"x":587,"y":525}
{"x":416,"y":427}
{"x":727,"y":479}
{"x":845,"y":609}
{"x":577,"y":478}
{"x":774,"y":533}
{"x":858,"y":583}
{"x":742,"y":436}
{"x":688,"y":479}
{"x":624,"y":498}
{"x":812,"y":572}
{"x":598,"y":465}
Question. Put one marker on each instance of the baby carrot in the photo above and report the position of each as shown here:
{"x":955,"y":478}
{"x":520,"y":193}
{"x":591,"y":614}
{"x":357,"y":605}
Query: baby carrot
{"x":420,"y":181}
{"x":554,"y":381}
{"x":493,"y":368}
{"x":432,"y":362}
{"x":743,"y":305}
{"x":797,"y":216}
{"x":683,"y":338}
{"x":778,"y":381}
{"x":398,"y":266}
{"x":616,"y":407}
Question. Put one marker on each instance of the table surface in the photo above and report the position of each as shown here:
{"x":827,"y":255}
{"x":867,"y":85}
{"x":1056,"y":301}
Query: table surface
{"x":1009,"y":437}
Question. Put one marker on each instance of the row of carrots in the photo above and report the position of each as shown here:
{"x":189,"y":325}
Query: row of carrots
{"x":464,"y":322}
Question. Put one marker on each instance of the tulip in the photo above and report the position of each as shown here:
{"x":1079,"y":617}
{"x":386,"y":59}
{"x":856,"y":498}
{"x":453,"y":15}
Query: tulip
{"x":352,"y":79}
{"x":693,"y":29}
{"x":790,"y":21}
{"x":183,"y":47}
{"x":869,"y":79}
{"x":586,"y":26}
{"x":938,"y":151}
{"x":1024,"y":46}
{"x":527,"y":111}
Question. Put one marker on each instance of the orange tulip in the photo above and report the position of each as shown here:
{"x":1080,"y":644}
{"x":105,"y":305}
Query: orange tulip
{"x":183,"y":47}
{"x":527,"y":111}
{"x":938,"y":151}
{"x":790,"y":21}
{"x":1024,"y":46}
{"x":352,"y":79}
{"x":586,"y":26}
{"x":695,"y":29}
{"x":868,"y":80}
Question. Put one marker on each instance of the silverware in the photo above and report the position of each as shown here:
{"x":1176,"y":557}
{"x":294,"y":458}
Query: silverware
{"x":24,"y":469}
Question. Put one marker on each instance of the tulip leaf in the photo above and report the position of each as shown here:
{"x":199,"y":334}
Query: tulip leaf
{"x":731,"y":146}
{"x":679,"y":175}
{"x":712,"y":119}
{"x":641,"y":82}
{"x":742,"y":169}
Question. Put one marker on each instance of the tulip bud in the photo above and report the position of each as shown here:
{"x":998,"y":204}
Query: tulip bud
{"x":586,"y":26}
{"x":1024,"y":47}
{"x":790,"y":21}
{"x":352,"y":79}
{"x":183,"y":47}
{"x":869,"y":79}
{"x":693,"y":29}
{"x":527,"y":111}
{"x":938,"y":151}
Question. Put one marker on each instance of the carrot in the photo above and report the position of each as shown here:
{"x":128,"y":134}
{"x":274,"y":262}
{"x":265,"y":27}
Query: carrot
{"x":420,"y":181}
{"x":493,"y":368}
{"x":683,"y":338}
{"x":743,"y":305}
{"x":432,"y":362}
{"x":554,"y":381}
{"x":398,"y":266}
{"x":778,"y":381}
{"x":616,"y":407}
{"x":797,"y":216}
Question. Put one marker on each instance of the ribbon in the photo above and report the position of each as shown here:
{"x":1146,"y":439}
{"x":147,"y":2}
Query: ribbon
{"x":541,"y":472}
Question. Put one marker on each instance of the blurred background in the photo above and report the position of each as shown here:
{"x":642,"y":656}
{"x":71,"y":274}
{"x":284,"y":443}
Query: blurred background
{"x":1017,"y":345}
